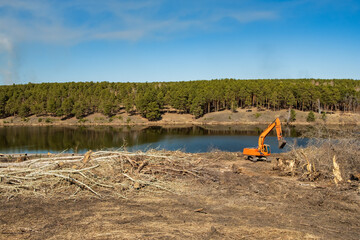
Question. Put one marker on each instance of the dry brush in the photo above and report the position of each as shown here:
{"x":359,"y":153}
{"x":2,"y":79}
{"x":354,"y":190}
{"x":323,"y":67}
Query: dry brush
{"x":328,"y":156}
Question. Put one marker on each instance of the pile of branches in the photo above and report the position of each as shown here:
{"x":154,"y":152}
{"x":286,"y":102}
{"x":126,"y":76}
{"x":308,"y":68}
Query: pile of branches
{"x":101,"y":174}
{"x":335,"y":158}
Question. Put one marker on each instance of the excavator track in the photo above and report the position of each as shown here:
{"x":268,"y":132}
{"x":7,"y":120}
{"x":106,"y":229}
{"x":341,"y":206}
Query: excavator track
{"x":256,"y":158}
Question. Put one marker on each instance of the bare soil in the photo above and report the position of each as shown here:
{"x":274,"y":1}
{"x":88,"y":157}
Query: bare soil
{"x":238,"y":199}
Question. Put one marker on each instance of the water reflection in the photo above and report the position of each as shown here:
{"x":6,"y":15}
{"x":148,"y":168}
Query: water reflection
{"x":187,"y":138}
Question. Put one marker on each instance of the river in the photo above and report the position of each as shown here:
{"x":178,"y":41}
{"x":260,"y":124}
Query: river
{"x":191,"y":139}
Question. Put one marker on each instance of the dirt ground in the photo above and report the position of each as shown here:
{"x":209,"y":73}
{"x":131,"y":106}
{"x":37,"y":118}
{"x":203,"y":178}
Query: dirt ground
{"x":238,"y":199}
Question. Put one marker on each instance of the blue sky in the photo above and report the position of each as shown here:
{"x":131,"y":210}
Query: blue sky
{"x":177,"y":40}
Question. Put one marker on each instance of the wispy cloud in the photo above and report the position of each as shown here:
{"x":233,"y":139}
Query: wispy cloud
{"x":77,"y":21}
{"x":253,"y":16}
{"x":8,"y":61}
{"x":5,"y":45}
{"x":49,"y":21}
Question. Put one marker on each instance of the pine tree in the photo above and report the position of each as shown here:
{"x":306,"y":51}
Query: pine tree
{"x":292,"y":115}
{"x":310,"y":117}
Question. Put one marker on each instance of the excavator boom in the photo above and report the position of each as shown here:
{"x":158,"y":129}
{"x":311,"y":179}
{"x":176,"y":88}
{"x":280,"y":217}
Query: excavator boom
{"x":264,"y":150}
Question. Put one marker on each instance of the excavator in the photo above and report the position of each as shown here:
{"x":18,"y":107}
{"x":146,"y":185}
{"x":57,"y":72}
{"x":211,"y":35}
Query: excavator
{"x":263,"y":150}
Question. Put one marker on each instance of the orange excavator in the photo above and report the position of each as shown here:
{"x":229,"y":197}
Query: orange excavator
{"x":263,"y":150}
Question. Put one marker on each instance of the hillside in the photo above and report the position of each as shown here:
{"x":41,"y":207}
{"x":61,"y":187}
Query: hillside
{"x":226,"y":117}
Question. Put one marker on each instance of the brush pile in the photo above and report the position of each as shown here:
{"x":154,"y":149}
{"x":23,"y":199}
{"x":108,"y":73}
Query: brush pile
{"x":101,"y":174}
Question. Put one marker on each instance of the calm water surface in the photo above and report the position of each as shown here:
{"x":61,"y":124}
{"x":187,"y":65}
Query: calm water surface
{"x":189,"y":139}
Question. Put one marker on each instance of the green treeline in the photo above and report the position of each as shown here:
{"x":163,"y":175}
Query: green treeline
{"x":196,"y":97}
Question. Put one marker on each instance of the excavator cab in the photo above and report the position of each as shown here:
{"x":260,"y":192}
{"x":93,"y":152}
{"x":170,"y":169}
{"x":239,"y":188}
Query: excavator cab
{"x":266,"y":149}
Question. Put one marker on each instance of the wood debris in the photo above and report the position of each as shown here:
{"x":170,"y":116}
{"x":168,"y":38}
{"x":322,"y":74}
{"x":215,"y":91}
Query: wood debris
{"x":86,"y":157}
{"x":107,"y":174}
{"x":336,"y":170}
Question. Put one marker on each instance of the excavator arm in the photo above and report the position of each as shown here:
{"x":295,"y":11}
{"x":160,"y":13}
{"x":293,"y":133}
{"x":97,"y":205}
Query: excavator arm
{"x":266,"y":132}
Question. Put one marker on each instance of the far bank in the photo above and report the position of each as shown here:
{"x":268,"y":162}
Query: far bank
{"x":239,"y":117}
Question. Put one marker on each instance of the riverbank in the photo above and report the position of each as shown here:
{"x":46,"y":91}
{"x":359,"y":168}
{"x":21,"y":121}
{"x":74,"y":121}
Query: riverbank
{"x":160,"y":194}
{"x":226,"y":117}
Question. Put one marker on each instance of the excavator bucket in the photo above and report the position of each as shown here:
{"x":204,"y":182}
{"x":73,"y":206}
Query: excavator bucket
{"x":282,"y":144}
